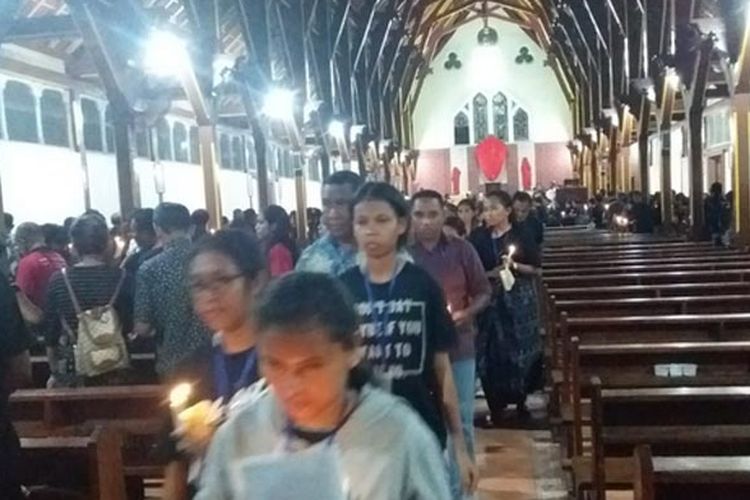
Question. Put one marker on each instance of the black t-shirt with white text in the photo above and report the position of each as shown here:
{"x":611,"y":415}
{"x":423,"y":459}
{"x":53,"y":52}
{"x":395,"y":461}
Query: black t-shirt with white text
{"x":419,"y":326}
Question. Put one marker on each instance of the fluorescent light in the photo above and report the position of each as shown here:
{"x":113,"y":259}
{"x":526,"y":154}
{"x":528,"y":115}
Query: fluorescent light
{"x":336,"y":129}
{"x":279,"y":104}
{"x":165,"y":54}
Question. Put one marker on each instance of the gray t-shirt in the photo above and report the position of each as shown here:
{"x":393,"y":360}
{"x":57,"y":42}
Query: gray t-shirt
{"x":386,"y":451}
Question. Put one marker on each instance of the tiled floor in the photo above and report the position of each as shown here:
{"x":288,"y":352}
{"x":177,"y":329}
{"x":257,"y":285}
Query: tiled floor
{"x":519,"y":462}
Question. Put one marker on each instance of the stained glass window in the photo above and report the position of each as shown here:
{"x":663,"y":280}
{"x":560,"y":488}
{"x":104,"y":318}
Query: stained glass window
{"x":461,"y":129}
{"x":520,"y":126}
{"x":480,"y":117}
{"x":500,"y":116}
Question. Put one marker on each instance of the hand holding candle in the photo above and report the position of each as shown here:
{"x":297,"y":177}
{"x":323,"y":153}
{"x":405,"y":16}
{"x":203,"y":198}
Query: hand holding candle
{"x":194,"y":425}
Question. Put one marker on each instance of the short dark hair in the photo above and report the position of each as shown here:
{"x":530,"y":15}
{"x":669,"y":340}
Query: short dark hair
{"x":143,"y":220}
{"x":200,"y":217}
{"x":90,"y":235}
{"x":344,"y":178}
{"x":522,"y":196}
{"x":469,"y":202}
{"x":238,"y":246}
{"x":501,"y":196}
{"x":427,"y":194}
{"x":382,"y":191}
{"x":456,"y":223}
{"x":303,"y":301}
{"x":171,"y":217}
{"x":55,"y":235}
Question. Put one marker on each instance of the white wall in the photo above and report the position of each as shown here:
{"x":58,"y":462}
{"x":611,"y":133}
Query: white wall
{"x":44,"y":184}
{"x":534,"y":86}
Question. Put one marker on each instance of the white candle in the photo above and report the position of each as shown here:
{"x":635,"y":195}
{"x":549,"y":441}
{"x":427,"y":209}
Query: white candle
{"x":178,"y":399}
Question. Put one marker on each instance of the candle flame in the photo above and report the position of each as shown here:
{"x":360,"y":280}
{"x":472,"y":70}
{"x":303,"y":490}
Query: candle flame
{"x":511,"y":250}
{"x":179,"y":395}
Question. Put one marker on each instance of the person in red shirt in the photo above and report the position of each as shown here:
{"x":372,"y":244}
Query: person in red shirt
{"x":281,"y":251}
{"x":38,"y":263}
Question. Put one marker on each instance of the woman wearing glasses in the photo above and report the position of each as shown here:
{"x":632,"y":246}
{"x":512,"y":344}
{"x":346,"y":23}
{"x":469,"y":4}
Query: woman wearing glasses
{"x":225,"y":272}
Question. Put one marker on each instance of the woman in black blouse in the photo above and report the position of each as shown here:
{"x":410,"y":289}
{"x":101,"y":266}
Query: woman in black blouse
{"x":509,"y":344}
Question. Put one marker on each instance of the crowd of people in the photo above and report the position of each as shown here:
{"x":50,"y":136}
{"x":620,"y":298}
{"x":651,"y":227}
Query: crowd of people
{"x":362,"y":344}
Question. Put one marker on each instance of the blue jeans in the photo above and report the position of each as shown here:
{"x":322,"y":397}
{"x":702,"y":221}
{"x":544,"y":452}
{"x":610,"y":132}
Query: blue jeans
{"x":464,"y":373}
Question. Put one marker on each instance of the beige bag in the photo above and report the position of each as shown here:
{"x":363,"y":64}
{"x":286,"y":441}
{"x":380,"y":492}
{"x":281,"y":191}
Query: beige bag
{"x":99,"y":343}
{"x":30,"y":312}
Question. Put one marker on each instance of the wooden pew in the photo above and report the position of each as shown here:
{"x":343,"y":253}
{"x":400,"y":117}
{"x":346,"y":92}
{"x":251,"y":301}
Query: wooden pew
{"x":634,"y":254}
{"x":684,"y":421}
{"x":142,"y":370}
{"x":134,"y":411}
{"x":648,"y":278}
{"x":656,"y":291}
{"x":647,"y":268}
{"x":61,"y":458}
{"x":678,"y":478}
{"x":626,"y":245}
{"x":639,"y":365}
{"x":616,"y":262}
{"x":650,"y":306}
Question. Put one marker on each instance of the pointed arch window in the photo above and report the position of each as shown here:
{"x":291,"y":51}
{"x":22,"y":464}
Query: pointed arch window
{"x":480,"y":117}
{"x":92,"y":125}
{"x":20,"y":112}
{"x":521,"y":125}
{"x":163,"y":140}
{"x":461,"y":129}
{"x":500,"y":116}
{"x":54,"y":118}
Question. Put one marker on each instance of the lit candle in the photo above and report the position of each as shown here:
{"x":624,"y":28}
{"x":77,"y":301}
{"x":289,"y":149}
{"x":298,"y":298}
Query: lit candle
{"x":511,"y":250}
{"x":606,"y":206}
{"x":178,"y":399}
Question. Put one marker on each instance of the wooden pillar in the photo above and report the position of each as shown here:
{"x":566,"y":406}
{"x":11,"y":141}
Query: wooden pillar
{"x":643,"y":144}
{"x":697,"y":214}
{"x":301,"y":195}
{"x":261,"y":162}
{"x":75,"y":103}
{"x":741,"y":177}
{"x":126,"y":184}
{"x":595,"y":174}
{"x":210,"y":173}
{"x":614,"y":158}
{"x":666,"y":176}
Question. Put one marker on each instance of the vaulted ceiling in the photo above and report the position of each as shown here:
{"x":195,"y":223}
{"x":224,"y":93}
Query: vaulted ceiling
{"x":365,"y":60}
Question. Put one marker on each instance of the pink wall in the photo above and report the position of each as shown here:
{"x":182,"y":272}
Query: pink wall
{"x":434,"y":170}
{"x":552,"y":163}
{"x":549,"y":161}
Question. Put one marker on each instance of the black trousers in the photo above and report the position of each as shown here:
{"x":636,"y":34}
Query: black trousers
{"x":10,"y":453}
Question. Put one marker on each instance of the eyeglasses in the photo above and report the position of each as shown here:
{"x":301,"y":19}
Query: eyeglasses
{"x":213,"y":285}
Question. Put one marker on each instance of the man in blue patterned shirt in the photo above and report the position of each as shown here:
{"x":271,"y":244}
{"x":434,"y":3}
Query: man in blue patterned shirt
{"x":336,"y":251}
{"x":162,"y":299}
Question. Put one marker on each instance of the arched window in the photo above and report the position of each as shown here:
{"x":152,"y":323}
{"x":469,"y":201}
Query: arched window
{"x":238,"y":154}
{"x":225,"y":151}
{"x":500,"y":116}
{"x":251,"y":161}
{"x":20,"y":112}
{"x":92,"y":125}
{"x":181,"y":146}
{"x":461,"y":129}
{"x":195,"y":148}
{"x":520,"y":126}
{"x":480,"y":117}
{"x":163,"y":140}
{"x":109,"y":129}
{"x":141,"y":142}
{"x":54,"y":118}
